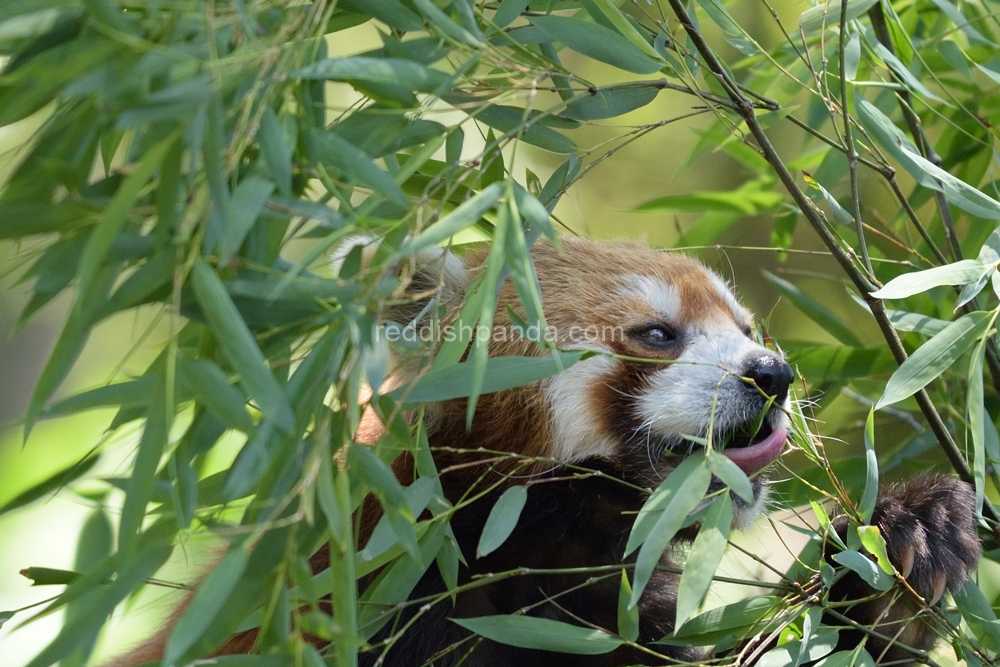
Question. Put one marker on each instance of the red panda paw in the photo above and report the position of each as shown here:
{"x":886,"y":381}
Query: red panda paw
{"x":929,"y":525}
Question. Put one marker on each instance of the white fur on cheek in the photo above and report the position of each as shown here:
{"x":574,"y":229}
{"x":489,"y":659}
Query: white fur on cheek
{"x":575,"y":432}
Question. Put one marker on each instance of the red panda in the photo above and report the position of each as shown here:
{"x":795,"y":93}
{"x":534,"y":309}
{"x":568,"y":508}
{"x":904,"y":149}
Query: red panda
{"x":630,"y":422}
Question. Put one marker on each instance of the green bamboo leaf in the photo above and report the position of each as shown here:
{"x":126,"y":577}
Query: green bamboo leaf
{"x":80,"y":632}
{"x":389,"y":71}
{"x":396,"y":583}
{"x":276,"y":151}
{"x":929,"y":175}
{"x":140,"y":485}
{"x":446,"y":25}
{"x":870,"y":494}
{"x":51,"y":484}
{"x":706,"y":554}
{"x":739,"y":619}
{"x":852,"y":56}
{"x":206,"y":604}
{"x":814,"y":310}
{"x":35,"y":24}
{"x":628,"y":618}
{"x":391,"y":12}
{"x":455,"y":381}
{"x":598,"y":42}
{"x":383,"y":483}
{"x":977,"y":422}
{"x":28,"y":218}
{"x":533,"y":211}
{"x":240,"y":348}
{"x":625,"y":27}
{"x":245,"y":206}
{"x":840,"y":214}
{"x":610,"y":101}
{"x":689,"y":493}
{"x":978,"y":613}
{"x":827,"y":14}
{"x":68,"y":347}
{"x":916,"y":322}
{"x":211,"y":386}
{"x":915,"y":282}
{"x":466,"y":214}
{"x":541,"y":633}
{"x":115,"y":215}
{"x":131,"y":393}
{"x":855,"y":658}
{"x":731,"y":475}
{"x":897,"y":66}
{"x":874,"y":543}
{"x":993,"y":74}
{"x":801,"y":652}
{"x":934,"y":357}
{"x":959,"y":193}
{"x":748,"y":200}
{"x":873,"y":575}
{"x":735,"y":35}
{"x":355,"y":164}
{"x":502,"y":520}
{"x":507,"y":11}
{"x":652,"y":510}
{"x":47,"y":576}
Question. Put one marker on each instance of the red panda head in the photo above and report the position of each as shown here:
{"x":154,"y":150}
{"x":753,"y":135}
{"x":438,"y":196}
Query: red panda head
{"x":678,"y":364}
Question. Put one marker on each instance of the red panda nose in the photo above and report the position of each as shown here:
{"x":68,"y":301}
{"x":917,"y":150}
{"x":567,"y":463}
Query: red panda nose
{"x":771,"y":375}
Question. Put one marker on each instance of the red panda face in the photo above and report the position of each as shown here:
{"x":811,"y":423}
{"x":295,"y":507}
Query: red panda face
{"x":678,"y":361}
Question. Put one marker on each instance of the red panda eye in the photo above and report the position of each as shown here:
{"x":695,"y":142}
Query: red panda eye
{"x":655,"y":334}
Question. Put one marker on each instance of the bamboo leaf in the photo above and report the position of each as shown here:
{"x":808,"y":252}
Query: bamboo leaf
{"x":870,"y":494}
{"x":206,"y":604}
{"x":466,"y":214}
{"x":814,"y":310}
{"x":391,"y":71}
{"x":609,"y":102}
{"x":355,"y":164}
{"x":597,"y":42}
{"x":114,"y":216}
{"x":934,"y":357}
{"x":240,"y":348}
{"x":502,"y":373}
{"x":628,"y":617}
{"x":706,"y":554}
{"x":502,"y":520}
{"x":210,"y":384}
{"x":873,"y":575}
{"x":541,"y":633}
{"x":827,"y":14}
{"x":915,"y":282}
{"x":689,"y":493}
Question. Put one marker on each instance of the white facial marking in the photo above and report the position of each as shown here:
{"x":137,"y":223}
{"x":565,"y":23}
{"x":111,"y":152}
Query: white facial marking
{"x":575,"y":432}
{"x":662,"y":297}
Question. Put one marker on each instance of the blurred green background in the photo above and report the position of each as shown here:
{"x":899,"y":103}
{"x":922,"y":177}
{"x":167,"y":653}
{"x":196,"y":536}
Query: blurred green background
{"x":662,"y":162}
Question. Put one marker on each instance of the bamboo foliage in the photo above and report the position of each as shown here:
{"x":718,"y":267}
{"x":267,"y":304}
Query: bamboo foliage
{"x":189,"y":164}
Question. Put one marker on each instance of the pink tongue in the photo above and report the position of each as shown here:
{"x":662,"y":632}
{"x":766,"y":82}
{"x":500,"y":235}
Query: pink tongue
{"x":755,"y":458}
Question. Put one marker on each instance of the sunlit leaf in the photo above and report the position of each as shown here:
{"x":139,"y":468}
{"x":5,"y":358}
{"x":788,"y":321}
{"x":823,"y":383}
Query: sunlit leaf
{"x":934,"y":357}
